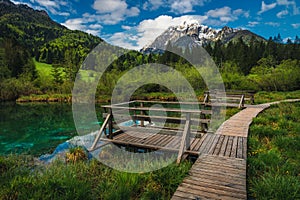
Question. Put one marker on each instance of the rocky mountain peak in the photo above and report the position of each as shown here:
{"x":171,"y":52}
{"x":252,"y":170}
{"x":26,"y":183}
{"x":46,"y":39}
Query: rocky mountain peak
{"x":191,"y":33}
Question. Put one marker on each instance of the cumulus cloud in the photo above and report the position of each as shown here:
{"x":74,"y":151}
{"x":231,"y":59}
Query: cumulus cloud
{"x":83,"y":25}
{"x":266,"y":7}
{"x":252,"y":24}
{"x":274,"y":24}
{"x":153,"y":4}
{"x":124,"y":39}
{"x":221,"y":16}
{"x":145,"y":32}
{"x":174,"y":6}
{"x":52,"y":6}
{"x":114,"y":11}
{"x":281,"y":14}
{"x":185,"y":6}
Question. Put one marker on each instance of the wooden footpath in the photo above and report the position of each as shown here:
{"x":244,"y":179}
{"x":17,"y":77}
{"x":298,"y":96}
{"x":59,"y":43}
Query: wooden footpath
{"x":220,"y":170}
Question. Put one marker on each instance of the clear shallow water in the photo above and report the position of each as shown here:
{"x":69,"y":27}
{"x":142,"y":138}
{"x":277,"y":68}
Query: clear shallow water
{"x":37,"y":128}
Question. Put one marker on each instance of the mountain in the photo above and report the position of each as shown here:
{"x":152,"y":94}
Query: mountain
{"x":35,"y":31}
{"x":192,"y":34}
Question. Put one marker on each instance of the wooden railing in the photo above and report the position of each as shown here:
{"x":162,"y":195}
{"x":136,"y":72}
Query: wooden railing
{"x":232,"y":98}
{"x":139,"y":111}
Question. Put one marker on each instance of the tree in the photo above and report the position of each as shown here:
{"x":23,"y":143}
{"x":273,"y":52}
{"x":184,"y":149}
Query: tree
{"x":56,"y":72}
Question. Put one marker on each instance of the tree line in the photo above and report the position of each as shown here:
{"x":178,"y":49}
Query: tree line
{"x":271,"y":66}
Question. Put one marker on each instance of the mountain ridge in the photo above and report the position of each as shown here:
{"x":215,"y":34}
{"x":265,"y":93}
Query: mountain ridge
{"x":200,"y":34}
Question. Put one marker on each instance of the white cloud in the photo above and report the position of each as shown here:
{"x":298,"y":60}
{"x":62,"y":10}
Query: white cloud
{"x":146,"y":31}
{"x":175,"y":6}
{"x":114,"y":11}
{"x":126,"y":27}
{"x":224,"y":15}
{"x":252,"y":24}
{"x":153,"y":4}
{"x":52,"y":6}
{"x":281,"y":14}
{"x":83,"y":25}
{"x":274,"y":24}
{"x":181,"y":7}
{"x":288,"y":4}
{"x":124,"y":39}
{"x":295,"y":26}
{"x":265,"y":7}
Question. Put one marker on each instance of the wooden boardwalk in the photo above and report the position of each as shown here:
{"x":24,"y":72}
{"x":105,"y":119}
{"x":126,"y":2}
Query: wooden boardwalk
{"x":220,"y":171}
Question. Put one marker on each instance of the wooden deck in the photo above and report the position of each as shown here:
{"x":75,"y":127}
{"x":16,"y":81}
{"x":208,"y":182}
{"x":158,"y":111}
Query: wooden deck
{"x":220,"y":172}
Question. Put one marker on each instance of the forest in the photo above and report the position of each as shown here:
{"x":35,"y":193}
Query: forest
{"x":270,"y":65}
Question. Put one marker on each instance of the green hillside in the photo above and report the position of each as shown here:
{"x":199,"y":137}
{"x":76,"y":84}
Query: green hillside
{"x":45,"y":39}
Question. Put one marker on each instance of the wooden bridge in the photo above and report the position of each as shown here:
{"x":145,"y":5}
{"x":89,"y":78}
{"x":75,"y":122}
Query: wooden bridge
{"x":220,"y":170}
{"x":187,"y":127}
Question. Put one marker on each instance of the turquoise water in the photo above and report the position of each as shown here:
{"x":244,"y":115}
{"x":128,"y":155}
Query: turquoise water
{"x":36,"y":128}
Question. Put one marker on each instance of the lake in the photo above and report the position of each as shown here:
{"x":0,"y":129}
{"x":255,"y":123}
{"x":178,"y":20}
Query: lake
{"x":37,"y":128}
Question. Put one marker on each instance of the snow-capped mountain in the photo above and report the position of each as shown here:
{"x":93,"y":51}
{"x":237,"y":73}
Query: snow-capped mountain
{"x":192,"y":33}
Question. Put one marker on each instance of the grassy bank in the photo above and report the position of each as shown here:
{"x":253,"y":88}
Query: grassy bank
{"x":84,"y":180}
{"x":274,"y":153}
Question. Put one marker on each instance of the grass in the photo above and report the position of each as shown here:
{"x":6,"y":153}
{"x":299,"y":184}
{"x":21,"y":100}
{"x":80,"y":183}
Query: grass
{"x":21,"y":179}
{"x":44,"y":71}
{"x":266,"y":97}
{"x":274,"y":153}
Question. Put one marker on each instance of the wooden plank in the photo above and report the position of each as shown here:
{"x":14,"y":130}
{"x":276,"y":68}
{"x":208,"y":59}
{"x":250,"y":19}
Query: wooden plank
{"x":240,"y":148}
{"x":219,"y":188}
{"x":185,"y":195}
{"x":227,"y":173}
{"x":234,"y":147}
{"x":200,"y":142}
{"x":221,"y":165}
{"x":225,"y":183}
{"x":206,"y":112}
{"x":152,"y":139}
{"x":209,"y":144}
{"x":224,"y":146}
{"x":213,"y":144}
{"x":219,"y":177}
{"x":194,"y":143}
{"x":200,"y":191}
{"x":219,"y":144}
{"x":244,"y":148}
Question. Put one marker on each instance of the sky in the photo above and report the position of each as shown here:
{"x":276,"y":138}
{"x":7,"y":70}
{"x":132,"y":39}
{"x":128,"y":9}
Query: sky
{"x":133,"y":24}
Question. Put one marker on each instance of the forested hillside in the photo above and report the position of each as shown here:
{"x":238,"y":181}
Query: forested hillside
{"x":41,"y":57}
{"x":26,"y":34}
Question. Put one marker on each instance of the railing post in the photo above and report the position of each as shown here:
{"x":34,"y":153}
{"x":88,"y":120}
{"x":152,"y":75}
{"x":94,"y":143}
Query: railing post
{"x":98,"y":136}
{"x":142,"y":113}
{"x":188,"y":139}
{"x":110,"y":125}
{"x":185,"y":141}
{"x":242,"y":102}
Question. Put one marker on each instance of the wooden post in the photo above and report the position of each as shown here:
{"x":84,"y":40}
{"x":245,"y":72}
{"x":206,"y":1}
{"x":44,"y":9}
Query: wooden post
{"x":142,"y":113}
{"x":205,"y":98}
{"x":185,"y":135}
{"x":188,"y":139}
{"x":241,"y":105}
{"x":252,"y":99}
{"x":110,"y":125}
{"x":100,"y":132}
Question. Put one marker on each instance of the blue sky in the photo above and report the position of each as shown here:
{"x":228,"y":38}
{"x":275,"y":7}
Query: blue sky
{"x":136,"y":23}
